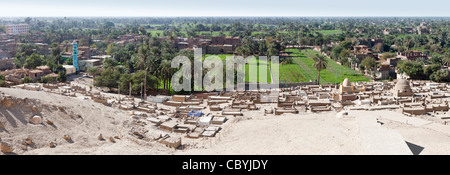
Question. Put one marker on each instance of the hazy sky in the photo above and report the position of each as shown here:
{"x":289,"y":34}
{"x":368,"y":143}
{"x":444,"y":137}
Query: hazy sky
{"x":224,"y":8}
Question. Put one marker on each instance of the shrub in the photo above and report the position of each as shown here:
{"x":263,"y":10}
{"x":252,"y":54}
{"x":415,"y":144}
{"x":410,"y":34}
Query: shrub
{"x":62,"y":77}
{"x":46,"y":79}
{"x":27,"y":79}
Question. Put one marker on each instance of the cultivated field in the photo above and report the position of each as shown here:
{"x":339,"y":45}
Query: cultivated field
{"x":329,"y":32}
{"x":301,"y":70}
{"x":305,"y":72}
{"x":254,"y":77}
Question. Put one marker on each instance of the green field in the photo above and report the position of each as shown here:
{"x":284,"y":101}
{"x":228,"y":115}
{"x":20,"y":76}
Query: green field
{"x":161,"y":32}
{"x":302,"y":70}
{"x":405,"y":35}
{"x":214,"y":33}
{"x":290,"y":73}
{"x":254,"y":33}
{"x":305,"y":72}
{"x":155,"y":32}
{"x":254,"y":78}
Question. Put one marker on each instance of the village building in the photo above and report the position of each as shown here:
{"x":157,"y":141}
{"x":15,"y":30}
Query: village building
{"x":45,"y":69}
{"x":412,"y":55}
{"x":384,"y":71}
{"x":228,"y":49}
{"x":408,"y":30}
{"x":217,"y":40}
{"x":360,"y":48}
{"x":423,"y":29}
{"x":86,"y":64}
{"x":4,"y":54}
{"x":6,"y":63}
{"x":4,"y":42}
{"x":100,"y":57}
{"x":70,"y":69}
{"x":214,"y":49}
{"x":14,"y":29}
{"x":44,"y":49}
{"x":223,"y":45}
{"x":35,"y":74}
{"x":182,"y":45}
{"x":369,"y":42}
{"x":215,"y":45}
{"x":361,"y":52}
{"x":83,"y":52}
{"x":392,"y":61}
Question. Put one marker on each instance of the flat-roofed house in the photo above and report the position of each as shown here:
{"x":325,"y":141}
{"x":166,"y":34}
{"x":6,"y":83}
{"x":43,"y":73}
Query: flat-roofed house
{"x":45,"y":69}
{"x":6,"y":63}
{"x":182,"y":45}
{"x":383,"y":71}
{"x":35,"y":74}
{"x":70,"y":69}
{"x":86,"y":64}
{"x":360,"y":48}
{"x":413,"y":55}
{"x":217,"y":40}
{"x":228,"y":49}
{"x":214,"y":49}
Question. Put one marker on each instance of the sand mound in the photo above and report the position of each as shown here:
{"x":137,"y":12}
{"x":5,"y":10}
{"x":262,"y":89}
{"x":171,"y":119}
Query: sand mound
{"x":48,"y":119}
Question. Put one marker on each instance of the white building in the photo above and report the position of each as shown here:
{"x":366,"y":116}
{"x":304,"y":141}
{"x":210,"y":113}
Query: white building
{"x":86,"y":64}
{"x":17,"y":28}
{"x":100,"y":57}
{"x":70,"y":69}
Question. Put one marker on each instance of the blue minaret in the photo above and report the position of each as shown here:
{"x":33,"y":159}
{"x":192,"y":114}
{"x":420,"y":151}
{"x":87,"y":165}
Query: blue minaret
{"x":75,"y":55}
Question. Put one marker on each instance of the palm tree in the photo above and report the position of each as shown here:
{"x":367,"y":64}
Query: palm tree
{"x":94,"y":71}
{"x":142,"y":55}
{"x":446,"y":60}
{"x":165,"y":72}
{"x":320,"y":63}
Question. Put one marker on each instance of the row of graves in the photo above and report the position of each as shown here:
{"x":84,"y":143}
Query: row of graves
{"x":203,"y":115}
{"x":300,"y":99}
{"x":193,"y":116}
{"x":206,"y":114}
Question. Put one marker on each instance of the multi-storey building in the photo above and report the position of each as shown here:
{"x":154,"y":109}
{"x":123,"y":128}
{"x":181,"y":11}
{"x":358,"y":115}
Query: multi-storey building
{"x":413,"y":55}
{"x":17,"y":28}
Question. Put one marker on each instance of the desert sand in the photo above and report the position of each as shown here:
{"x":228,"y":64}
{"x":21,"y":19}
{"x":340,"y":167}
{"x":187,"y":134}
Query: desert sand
{"x":82,"y":120}
{"x":289,"y":134}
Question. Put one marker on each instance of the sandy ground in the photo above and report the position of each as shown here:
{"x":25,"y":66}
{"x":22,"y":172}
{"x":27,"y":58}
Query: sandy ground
{"x":423,"y":140}
{"x":82,"y":120}
{"x":255,"y":133}
{"x":289,"y":134}
{"x":323,"y":133}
